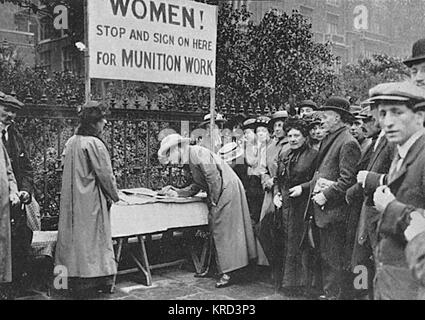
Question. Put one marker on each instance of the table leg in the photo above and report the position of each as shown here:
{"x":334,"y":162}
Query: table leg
{"x":145,"y":260}
{"x":117,"y":259}
{"x":199,"y":263}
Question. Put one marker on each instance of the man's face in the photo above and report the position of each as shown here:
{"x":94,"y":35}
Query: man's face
{"x":356,"y":130}
{"x":330,"y":120}
{"x":306,"y":111}
{"x":399,"y":122}
{"x":417,"y":74}
{"x":7,"y":115}
{"x":371,"y":127}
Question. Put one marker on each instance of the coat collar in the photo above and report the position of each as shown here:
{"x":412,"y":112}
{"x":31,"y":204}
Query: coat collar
{"x":381,"y":145}
{"x":411,"y":156}
{"x":327,"y":143}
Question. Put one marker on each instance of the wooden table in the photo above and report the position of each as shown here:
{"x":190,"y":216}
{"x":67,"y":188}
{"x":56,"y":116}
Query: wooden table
{"x":142,"y":220}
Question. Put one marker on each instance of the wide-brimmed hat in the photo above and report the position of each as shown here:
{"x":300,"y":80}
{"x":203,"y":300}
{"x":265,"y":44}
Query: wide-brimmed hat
{"x":399,"y":92}
{"x":219,"y":118}
{"x":307,"y":103}
{"x":418,"y":53}
{"x":339,"y":105}
{"x":10,"y":102}
{"x":249,"y":124}
{"x":230,"y":152}
{"x":262,"y":121}
{"x":278,"y":116}
{"x":168,"y":142}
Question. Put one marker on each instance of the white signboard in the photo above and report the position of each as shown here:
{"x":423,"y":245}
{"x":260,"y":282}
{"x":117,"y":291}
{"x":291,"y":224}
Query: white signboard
{"x":163,"y":41}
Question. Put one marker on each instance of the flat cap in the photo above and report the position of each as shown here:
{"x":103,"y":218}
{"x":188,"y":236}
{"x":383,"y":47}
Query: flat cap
{"x":397,"y":91}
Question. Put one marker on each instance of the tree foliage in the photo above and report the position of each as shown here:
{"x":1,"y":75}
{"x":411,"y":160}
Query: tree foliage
{"x":356,"y":79}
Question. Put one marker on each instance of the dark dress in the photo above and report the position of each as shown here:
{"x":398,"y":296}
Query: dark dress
{"x":294,"y":168}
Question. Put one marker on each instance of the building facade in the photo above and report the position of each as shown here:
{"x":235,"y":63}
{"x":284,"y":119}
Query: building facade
{"x":18,"y":32}
{"x":355,"y":28}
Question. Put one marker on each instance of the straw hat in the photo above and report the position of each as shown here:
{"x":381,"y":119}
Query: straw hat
{"x":230,"y":152}
{"x":170,"y":141}
{"x":219,"y":118}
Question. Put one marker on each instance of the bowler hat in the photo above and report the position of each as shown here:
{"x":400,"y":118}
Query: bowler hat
{"x":339,"y":105}
{"x":9,"y":101}
{"x":278,"y":116}
{"x":418,"y":53}
{"x":307,"y":103}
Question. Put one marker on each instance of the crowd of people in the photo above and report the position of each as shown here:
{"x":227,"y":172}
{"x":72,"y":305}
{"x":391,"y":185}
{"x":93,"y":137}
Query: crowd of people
{"x":331,"y":199}
{"x":335,"y":193}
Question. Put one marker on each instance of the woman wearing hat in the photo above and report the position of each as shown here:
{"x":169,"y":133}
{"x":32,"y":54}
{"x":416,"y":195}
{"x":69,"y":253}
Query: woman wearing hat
{"x":295,"y":166}
{"x":205,"y":138}
{"x":276,"y":147}
{"x":84,"y":243}
{"x":229,"y":220}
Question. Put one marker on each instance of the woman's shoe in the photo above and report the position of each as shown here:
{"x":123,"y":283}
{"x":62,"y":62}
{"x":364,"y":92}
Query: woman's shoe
{"x":223,"y":282}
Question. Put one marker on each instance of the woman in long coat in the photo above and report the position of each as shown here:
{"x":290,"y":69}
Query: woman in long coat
{"x":229,"y":219}
{"x":8,"y":195}
{"x":295,"y":167}
{"x":265,"y":227}
{"x":84,"y":244}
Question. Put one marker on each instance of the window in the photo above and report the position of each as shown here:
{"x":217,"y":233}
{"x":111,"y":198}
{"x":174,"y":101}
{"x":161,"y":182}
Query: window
{"x":67,"y":57}
{"x":45,"y":60}
{"x":332,"y":24}
{"x":335,"y":3}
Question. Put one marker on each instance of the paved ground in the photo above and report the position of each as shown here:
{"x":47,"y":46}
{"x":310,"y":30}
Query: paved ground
{"x":180,"y":284}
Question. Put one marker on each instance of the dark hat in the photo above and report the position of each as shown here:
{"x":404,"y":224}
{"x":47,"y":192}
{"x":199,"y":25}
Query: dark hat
{"x":307,"y":103}
{"x":9,"y":101}
{"x":262,"y":121}
{"x":418,"y":53}
{"x":92,"y":111}
{"x":312,"y":121}
{"x":219,"y":118}
{"x":237,"y":119}
{"x":299,"y":124}
{"x":404,"y":92}
{"x":249,"y":123}
{"x":338,"y":104}
{"x":278,"y":116}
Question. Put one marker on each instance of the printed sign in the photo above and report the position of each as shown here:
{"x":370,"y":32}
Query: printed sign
{"x":163,"y":41}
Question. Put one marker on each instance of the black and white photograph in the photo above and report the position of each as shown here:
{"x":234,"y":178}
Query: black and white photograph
{"x":232,"y":152}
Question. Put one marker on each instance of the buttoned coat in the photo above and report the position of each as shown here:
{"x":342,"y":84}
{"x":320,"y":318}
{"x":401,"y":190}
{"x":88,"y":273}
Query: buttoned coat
{"x":7,"y":187}
{"x":337,"y":161}
{"x":394,"y":279}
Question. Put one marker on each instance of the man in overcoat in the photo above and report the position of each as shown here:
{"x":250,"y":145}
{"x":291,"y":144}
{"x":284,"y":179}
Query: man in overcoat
{"x":377,"y":159}
{"x":336,"y":172}
{"x":21,"y":165}
{"x":401,"y":109}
